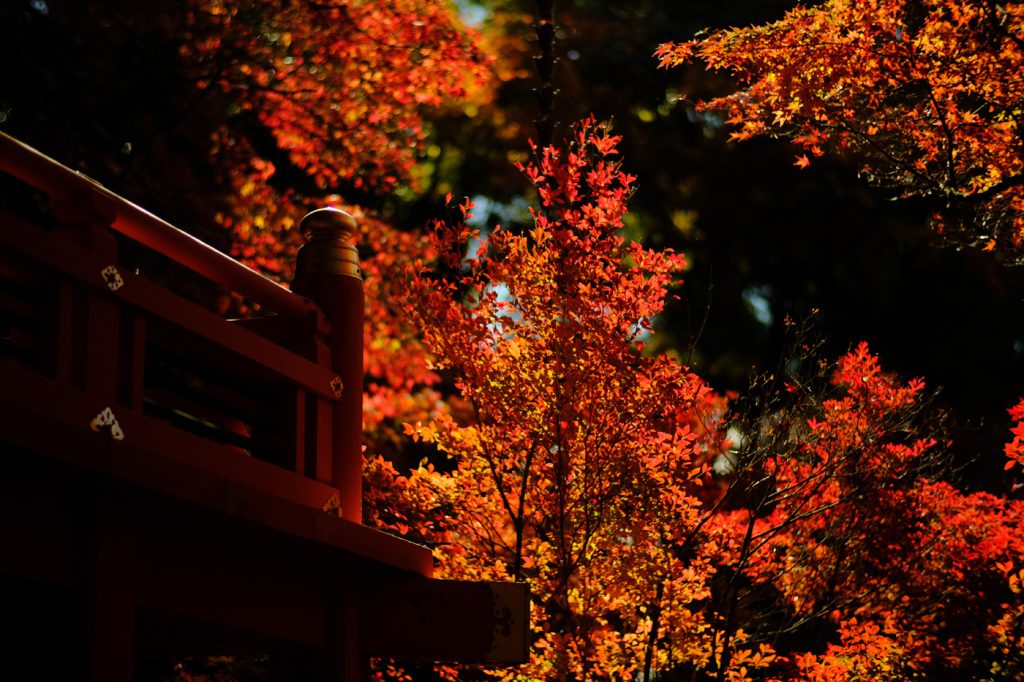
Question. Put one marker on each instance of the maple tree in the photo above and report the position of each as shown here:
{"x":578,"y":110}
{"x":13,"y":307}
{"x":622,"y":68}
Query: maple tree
{"x":1015,"y":448}
{"x":605,"y":477}
{"x":924,"y":96}
{"x":105,"y":88}
{"x":923,"y":93}
{"x":340,"y":88}
{"x":848,"y":528}
{"x":575,"y":457}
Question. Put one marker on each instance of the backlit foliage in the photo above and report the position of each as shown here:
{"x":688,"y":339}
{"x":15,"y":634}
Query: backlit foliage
{"x":330,"y":80}
{"x":1015,"y":448}
{"x":818,"y":543}
{"x":326,"y":96}
{"x":578,"y":458}
{"x":925,"y":94}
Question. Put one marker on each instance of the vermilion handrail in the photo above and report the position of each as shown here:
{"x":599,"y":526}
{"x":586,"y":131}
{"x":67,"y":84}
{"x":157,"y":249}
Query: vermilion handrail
{"x":59,"y":181}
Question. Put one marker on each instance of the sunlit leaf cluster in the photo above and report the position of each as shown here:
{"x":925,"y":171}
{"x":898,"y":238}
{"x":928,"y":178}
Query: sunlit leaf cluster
{"x":926,"y":95}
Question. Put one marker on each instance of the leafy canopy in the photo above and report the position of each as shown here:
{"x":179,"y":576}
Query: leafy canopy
{"x":925,"y":95}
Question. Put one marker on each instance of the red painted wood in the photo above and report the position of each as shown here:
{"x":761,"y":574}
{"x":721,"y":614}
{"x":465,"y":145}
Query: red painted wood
{"x":234,"y":341}
{"x":303,"y":336}
{"x":132,"y":361}
{"x":102,"y":347}
{"x":472,"y":622}
{"x":52,"y":421}
{"x":346,"y":314}
{"x":65,"y":339}
{"x":298,"y":432}
{"x":322,"y":427}
{"x":220,"y":579}
{"x":40,"y":546}
{"x":70,"y":410}
{"x":341,"y":659}
{"x":84,"y":217}
{"x":111,"y":572}
{"x":327,"y":271}
{"x":61,"y":182}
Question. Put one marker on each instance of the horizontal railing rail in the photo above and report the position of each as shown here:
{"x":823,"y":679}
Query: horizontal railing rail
{"x":156,"y":360}
{"x":59,"y":181}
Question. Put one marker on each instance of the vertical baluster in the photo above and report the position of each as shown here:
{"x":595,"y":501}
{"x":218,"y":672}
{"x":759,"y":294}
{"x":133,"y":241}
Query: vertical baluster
{"x":90,"y":320}
{"x":110,"y":582}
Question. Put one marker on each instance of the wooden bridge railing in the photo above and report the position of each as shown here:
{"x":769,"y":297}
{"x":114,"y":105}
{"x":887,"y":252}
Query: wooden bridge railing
{"x":274,"y":401}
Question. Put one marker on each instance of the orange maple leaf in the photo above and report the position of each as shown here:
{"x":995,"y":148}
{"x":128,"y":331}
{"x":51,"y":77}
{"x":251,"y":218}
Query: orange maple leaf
{"x":802,"y":161}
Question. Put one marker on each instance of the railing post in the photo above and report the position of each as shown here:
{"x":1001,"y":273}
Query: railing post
{"x":327,"y":271}
{"x":88,"y":335}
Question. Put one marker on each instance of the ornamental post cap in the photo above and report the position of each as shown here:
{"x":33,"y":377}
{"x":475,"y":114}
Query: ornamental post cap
{"x":327,"y":221}
{"x":330,"y":234}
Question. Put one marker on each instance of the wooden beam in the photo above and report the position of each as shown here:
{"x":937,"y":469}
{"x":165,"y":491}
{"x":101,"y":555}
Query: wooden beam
{"x":111,"y":587}
{"x":447,"y":620}
{"x":60,"y":182}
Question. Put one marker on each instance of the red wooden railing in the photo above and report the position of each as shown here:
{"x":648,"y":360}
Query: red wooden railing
{"x":273,"y":401}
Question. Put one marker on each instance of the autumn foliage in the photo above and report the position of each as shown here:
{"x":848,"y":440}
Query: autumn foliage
{"x":1015,"y":448}
{"x":804,"y":532}
{"x":323,"y":97}
{"x":923,"y":94}
{"x":327,"y":98}
{"x":576,"y":458}
{"x":851,"y":527}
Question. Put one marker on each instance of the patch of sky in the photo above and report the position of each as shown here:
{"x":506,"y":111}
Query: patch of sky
{"x":710,"y":122}
{"x":511,"y":311}
{"x":725,"y":462}
{"x":40,"y":6}
{"x":487,"y":213}
{"x":758,"y":301}
{"x":472,"y":13}
{"x":641,"y":331}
